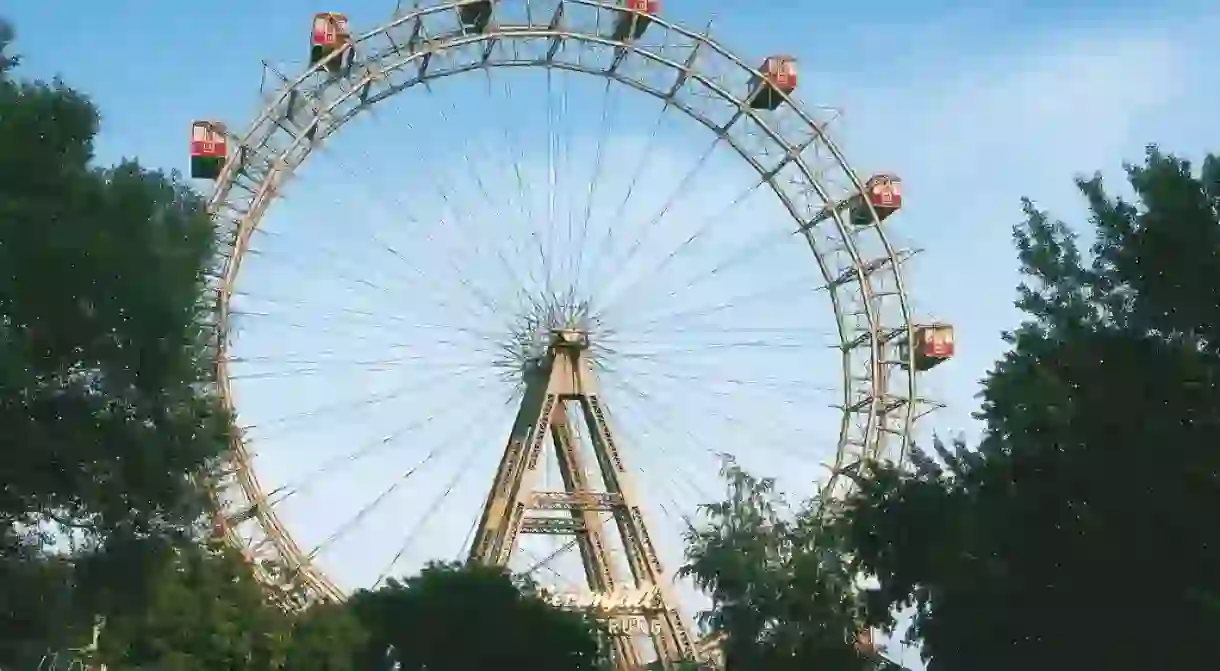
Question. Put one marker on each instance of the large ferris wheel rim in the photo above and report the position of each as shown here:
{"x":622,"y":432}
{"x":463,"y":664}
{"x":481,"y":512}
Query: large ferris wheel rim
{"x":378,"y":68}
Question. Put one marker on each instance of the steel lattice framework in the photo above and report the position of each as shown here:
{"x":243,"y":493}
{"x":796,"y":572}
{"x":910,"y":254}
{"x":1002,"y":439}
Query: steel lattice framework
{"x":563,"y":377}
{"x":691,"y":72}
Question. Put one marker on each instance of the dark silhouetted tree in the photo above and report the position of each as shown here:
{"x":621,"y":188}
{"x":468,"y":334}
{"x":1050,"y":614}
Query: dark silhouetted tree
{"x":203,"y":611}
{"x":1080,"y":533}
{"x":460,"y":618}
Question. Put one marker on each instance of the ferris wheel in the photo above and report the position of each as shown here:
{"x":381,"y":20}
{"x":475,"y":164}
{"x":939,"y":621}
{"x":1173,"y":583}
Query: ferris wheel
{"x":573,"y":200}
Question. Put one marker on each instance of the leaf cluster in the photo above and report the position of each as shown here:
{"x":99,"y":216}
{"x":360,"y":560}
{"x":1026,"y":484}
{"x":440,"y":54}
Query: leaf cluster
{"x":783,"y":592}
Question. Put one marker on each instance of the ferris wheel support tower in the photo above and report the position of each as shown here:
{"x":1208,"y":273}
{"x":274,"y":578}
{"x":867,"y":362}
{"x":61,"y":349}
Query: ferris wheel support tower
{"x":561,"y":378}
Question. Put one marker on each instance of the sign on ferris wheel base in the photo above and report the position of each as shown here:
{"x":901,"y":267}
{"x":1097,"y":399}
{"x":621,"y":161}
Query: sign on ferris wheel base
{"x":633,"y":625}
{"x":632,"y":601}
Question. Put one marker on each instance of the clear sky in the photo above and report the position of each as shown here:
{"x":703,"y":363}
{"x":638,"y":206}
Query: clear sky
{"x":974,"y":107}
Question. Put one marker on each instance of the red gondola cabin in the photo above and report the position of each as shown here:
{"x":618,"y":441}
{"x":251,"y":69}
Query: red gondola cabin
{"x":475,"y":15}
{"x":933,"y":345}
{"x":778,"y":77}
{"x":885,"y":192}
{"x":330,"y":34}
{"x":209,"y":149}
{"x":635,"y":18}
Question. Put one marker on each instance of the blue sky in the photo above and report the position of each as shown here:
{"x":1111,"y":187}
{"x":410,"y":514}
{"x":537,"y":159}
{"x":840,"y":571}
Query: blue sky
{"x":974,"y":107}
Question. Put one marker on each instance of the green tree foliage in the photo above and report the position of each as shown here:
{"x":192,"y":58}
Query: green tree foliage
{"x":7,"y":60}
{"x":327,"y":637}
{"x":37,"y":610}
{"x":1081,"y":532}
{"x":102,"y":327}
{"x":204,"y":612}
{"x":457,"y":617}
{"x":104,"y":409}
{"x":782,"y":592}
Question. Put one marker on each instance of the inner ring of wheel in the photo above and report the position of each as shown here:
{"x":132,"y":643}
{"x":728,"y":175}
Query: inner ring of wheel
{"x":265,"y":174}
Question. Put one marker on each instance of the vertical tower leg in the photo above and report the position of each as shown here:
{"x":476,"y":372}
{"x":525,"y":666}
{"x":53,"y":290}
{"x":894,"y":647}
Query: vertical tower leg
{"x":594,"y":553}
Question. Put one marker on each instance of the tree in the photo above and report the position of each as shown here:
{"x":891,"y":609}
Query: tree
{"x":204,"y":611}
{"x":782,"y":591}
{"x":429,"y":621}
{"x":104,"y":363}
{"x":327,"y":637}
{"x":1080,"y":533}
{"x":7,"y":61}
{"x":36,"y":606}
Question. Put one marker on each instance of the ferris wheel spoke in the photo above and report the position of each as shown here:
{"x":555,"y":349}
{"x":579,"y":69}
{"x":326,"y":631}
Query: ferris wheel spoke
{"x":707,"y":376}
{"x":369,"y":198}
{"x":787,"y":388}
{"x":650,"y":145}
{"x":428,"y":353}
{"x":778,"y":435}
{"x":339,"y":462}
{"x":430,"y":457}
{"x":363,"y":402}
{"x":303,"y":366}
{"x":448,"y":196}
{"x":354,"y":313}
{"x":633,"y":405}
{"x":698,"y":334}
{"x":366,"y":334}
{"x":461,"y":472}
{"x":781,"y":290}
{"x":354,"y":329}
{"x":704,"y":349}
{"x":729,"y":423}
{"x":414,"y":361}
{"x":547,"y":253}
{"x":748,"y":251}
{"x":655,"y":333}
{"x":604,"y":130}
{"x":672,"y":477}
{"x":573,"y":189}
{"x":435,"y":296}
{"x":559,"y":222}
{"x":705,"y":405}
{"x":292,"y":264}
{"x":302,"y":372}
{"x":629,"y":346}
{"x":373,"y":199}
{"x":639,"y":284}
{"x":435,"y":289}
{"x":524,"y":189}
{"x":682,"y":189}
{"x":475,"y":335}
{"x":546,"y":561}
{"x":517,"y":282}
{"x":562,"y":173}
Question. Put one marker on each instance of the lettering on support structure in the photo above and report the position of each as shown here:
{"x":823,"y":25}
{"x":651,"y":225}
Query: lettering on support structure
{"x":633,"y":625}
{"x":629,"y":599}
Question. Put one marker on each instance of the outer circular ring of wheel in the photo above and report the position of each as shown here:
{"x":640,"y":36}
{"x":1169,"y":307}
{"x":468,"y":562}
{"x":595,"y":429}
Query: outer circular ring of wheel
{"x":860,"y":266}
